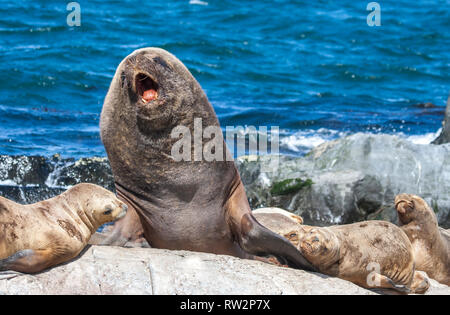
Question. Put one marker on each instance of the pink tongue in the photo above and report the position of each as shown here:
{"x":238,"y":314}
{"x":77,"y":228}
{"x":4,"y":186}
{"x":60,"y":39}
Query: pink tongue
{"x":150,"y":95}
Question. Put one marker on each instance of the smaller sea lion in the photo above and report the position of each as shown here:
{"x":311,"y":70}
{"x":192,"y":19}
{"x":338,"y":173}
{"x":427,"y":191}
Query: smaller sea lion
{"x":38,"y":236}
{"x":431,"y":243}
{"x":371,"y":254}
{"x":353,"y":252}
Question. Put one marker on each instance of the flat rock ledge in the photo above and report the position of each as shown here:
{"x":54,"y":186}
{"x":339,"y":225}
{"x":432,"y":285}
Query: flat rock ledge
{"x":115,"y":270}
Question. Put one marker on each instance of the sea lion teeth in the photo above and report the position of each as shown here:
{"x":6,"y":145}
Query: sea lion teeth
{"x":149,"y":95}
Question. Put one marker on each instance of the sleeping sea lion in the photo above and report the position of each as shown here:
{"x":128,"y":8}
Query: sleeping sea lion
{"x":189,"y":204}
{"x":38,"y":236}
{"x":372,"y":254}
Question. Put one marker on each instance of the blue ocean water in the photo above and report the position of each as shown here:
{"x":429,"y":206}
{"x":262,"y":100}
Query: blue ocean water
{"x":313,"y":68}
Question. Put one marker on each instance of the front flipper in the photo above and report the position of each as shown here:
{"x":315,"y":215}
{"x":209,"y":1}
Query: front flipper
{"x":28,"y":261}
{"x":254,"y":238}
{"x":383,"y":282}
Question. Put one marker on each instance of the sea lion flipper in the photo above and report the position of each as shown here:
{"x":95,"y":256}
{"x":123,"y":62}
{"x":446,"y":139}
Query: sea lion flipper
{"x":28,"y":261}
{"x":256,"y":239}
{"x":383,"y":282}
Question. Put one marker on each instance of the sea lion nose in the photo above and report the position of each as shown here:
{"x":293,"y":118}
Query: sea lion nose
{"x":124,"y":207}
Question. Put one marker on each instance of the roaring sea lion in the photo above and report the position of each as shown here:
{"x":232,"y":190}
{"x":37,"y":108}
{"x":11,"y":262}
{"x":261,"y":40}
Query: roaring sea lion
{"x":191,"y":204}
{"x":431,"y":243}
{"x":38,"y":236}
{"x":372,"y":254}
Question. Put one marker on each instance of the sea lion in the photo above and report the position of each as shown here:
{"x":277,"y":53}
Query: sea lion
{"x":351,"y":252}
{"x":371,"y":254}
{"x":431,"y":243}
{"x":38,"y":236}
{"x":280,"y":221}
{"x":192,"y":204}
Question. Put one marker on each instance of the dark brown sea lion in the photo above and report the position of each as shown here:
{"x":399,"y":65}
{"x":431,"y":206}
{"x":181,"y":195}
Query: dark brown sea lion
{"x":188,"y":205}
{"x":38,"y":236}
{"x":431,"y":243}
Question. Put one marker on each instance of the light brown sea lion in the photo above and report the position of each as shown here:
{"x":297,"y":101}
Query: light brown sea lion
{"x":431,"y":243}
{"x":372,"y":254}
{"x":38,"y":236}
{"x":188,"y":205}
{"x":353,"y":252}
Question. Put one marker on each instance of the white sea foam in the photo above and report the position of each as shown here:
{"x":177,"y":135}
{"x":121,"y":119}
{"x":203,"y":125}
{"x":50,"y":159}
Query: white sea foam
{"x":198,"y":2}
{"x":304,"y":140}
{"x":8,"y":182}
{"x":423,"y":139}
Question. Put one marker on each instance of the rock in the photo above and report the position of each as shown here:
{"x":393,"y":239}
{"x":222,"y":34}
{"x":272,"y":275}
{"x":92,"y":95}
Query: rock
{"x":115,"y":270}
{"x":354,"y":179}
{"x":29,"y":179}
{"x":444,"y":137}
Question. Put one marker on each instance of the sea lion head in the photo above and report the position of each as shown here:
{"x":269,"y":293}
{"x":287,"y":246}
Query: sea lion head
{"x":100,"y":205}
{"x":319,"y":245}
{"x":153,"y":90}
{"x":150,"y":95}
{"x":413,"y":208}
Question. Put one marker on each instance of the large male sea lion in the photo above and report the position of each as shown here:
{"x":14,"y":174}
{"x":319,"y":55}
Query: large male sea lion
{"x":431,"y":243}
{"x":372,"y":254}
{"x":193,"y":205}
{"x":38,"y":236}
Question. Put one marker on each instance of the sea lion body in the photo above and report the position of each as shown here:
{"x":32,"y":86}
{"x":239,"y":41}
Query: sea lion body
{"x":372,"y":254}
{"x":38,"y":236}
{"x":431,"y":243}
{"x":192,"y":204}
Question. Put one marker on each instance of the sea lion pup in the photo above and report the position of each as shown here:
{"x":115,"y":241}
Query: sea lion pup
{"x":431,"y":243}
{"x":352,"y":252}
{"x":38,"y":236}
{"x":195,"y":203}
{"x":371,"y":254}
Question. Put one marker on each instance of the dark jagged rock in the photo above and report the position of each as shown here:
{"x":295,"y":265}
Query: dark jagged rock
{"x":27,"y":170}
{"x":87,"y":170}
{"x":29,"y":179}
{"x":444,"y":137}
{"x":27,"y":194}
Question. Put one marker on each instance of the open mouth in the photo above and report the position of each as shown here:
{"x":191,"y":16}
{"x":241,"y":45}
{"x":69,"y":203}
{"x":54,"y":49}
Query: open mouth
{"x":146,"y":88}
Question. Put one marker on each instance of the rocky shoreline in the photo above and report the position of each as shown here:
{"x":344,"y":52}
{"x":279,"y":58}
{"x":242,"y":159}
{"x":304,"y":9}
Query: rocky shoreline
{"x":343,"y":181}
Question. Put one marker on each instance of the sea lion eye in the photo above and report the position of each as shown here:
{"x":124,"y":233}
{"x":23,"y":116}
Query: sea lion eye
{"x":108,"y":211}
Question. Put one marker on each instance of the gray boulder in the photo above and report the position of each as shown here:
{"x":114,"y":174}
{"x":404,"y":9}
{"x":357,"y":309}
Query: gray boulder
{"x":352,"y":179}
{"x":115,"y":270}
